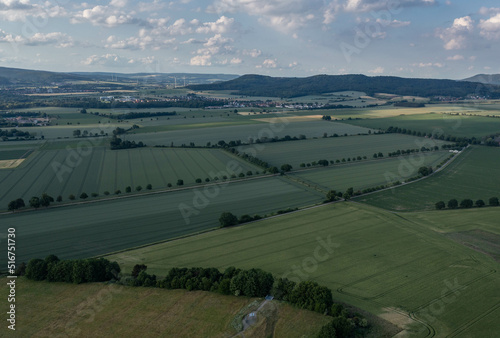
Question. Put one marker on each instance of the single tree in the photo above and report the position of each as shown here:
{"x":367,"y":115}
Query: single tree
{"x":180,"y":182}
{"x":138,"y":188}
{"x":128,"y":189}
{"x":71,"y":197}
{"x":149,"y":186}
{"x":440,"y":205}
{"x":227,"y":219}
{"x":59,"y":198}
{"x":452,"y":204}
{"x":480,"y":203}
{"x":466,"y":203}
{"x":83,"y":195}
{"x":494,"y":202}
{"x":35,"y":202}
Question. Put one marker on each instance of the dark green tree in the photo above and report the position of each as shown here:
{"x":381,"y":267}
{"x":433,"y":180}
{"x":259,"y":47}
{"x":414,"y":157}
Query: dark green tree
{"x":480,"y":203}
{"x":227,"y":219}
{"x":35,"y":202}
{"x":466,"y":203}
{"x":440,"y":205}
{"x":452,"y":204}
{"x":36,"y":269}
{"x":494,"y":202}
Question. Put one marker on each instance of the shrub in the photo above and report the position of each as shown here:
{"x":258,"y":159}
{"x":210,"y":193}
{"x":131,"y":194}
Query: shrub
{"x":71,"y":197}
{"x":227,"y":219}
{"x":440,"y":205}
{"x":83,"y":195}
{"x":494,"y":201}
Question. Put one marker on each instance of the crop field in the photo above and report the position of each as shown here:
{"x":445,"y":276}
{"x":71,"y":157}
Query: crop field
{"x":13,"y":154}
{"x":90,"y":229}
{"x":455,"y":125}
{"x":373,"y":259}
{"x":336,"y":148}
{"x":475,"y":174}
{"x":369,"y":174}
{"x":56,"y":309}
{"x":99,"y":169}
{"x":244,"y":132}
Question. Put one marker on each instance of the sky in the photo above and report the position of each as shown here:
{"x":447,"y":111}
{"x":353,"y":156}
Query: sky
{"x":451,"y":39}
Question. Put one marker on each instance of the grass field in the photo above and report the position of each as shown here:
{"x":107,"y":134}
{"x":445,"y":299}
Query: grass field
{"x":96,"y":228}
{"x":377,"y":260}
{"x":475,"y":174}
{"x":89,"y":310}
{"x":455,"y":125}
{"x":369,"y":174}
{"x":99,"y":169}
{"x":335,"y":148}
{"x":244,"y":132}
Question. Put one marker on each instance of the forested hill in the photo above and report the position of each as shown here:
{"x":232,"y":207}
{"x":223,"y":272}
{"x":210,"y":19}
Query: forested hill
{"x":258,"y":85}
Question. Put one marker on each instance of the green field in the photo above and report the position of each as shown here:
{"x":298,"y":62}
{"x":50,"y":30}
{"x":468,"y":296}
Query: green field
{"x":96,"y":228}
{"x":369,"y":174}
{"x":454,"y":125}
{"x":475,"y":174}
{"x":99,"y":169}
{"x":13,"y":154}
{"x":244,"y":132}
{"x":90,"y":310}
{"x":376,"y":260}
{"x":335,"y":148}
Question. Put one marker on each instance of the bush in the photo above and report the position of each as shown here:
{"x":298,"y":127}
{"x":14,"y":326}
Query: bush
{"x":180,"y":182}
{"x":138,"y":188}
{"x":494,"y":202}
{"x":227,"y":219}
{"x":198,"y":180}
{"x":118,"y":192}
{"x":440,"y":205}
{"x":128,"y":189}
{"x":466,"y":203}
{"x":59,"y":198}
{"x":94,"y":194}
{"x":480,"y":203}
{"x":71,"y":197}
{"x":452,"y":204}
{"x":83,"y":195}
{"x":36,"y":269}
{"x":149,"y":186}
{"x":106,"y":193}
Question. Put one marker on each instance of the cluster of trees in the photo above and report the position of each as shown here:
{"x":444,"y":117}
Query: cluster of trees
{"x":466,"y":203}
{"x":75,"y":271}
{"x":249,"y":158}
{"x":233,"y":281}
{"x":411,"y":151}
{"x":5,"y":134}
{"x":326,"y":163}
{"x":117,"y":143}
{"x":136,"y":115}
{"x":34,"y":202}
{"x":459,"y":141}
{"x":227,"y":219}
{"x":407,"y":104}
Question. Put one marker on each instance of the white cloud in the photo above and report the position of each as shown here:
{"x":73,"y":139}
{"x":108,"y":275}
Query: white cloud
{"x":455,"y":37}
{"x":374,"y":5}
{"x":114,"y":60}
{"x":427,"y":65}
{"x":141,"y":42}
{"x":105,"y":16}
{"x":222,"y":25}
{"x":118,"y":3}
{"x":269,"y":63}
{"x":378,"y":70}
{"x":393,"y":23}
{"x":490,"y":28}
{"x":252,"y":52}
{"x":57,"y":39}
{"x":201,"y":60}
{"x":236,"y":61}
{"x":455,"y":58}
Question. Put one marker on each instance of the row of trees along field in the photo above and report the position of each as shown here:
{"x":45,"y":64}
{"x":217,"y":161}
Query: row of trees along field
{"x":466,"y":203}
{"x":306,"y":295}
{"x":45,"y":200}
{"x":75,"y":271}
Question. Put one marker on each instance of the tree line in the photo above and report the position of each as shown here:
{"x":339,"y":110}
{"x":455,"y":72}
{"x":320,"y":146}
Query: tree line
{"x":75,"y":271}
{"x":466,"y":203}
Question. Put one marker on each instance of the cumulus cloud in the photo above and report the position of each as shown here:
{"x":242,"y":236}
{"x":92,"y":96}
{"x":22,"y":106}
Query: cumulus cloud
{"x":201,"y":60}
{"x":490,"y":28}
{"x":252,"y":52}
{"x":222,"y":25}
{"x":378,"y":70}
{"x":427,"y":65}
{"x":455,"y":37}
{"x":114,"y":60}
{"x":284,"y":15}
{"x":140,"y":42}
{"x":57,"y":39}
{"x":455,"y":58}
{"x":105,"y":16}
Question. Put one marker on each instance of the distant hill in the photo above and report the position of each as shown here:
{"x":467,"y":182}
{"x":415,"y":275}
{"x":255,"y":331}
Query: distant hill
{"x":493,"y":79}
{"x":258,"y":85}
{"x":181,"y":78}
{"x":16,"y":76}
{"x":12,"y":76}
